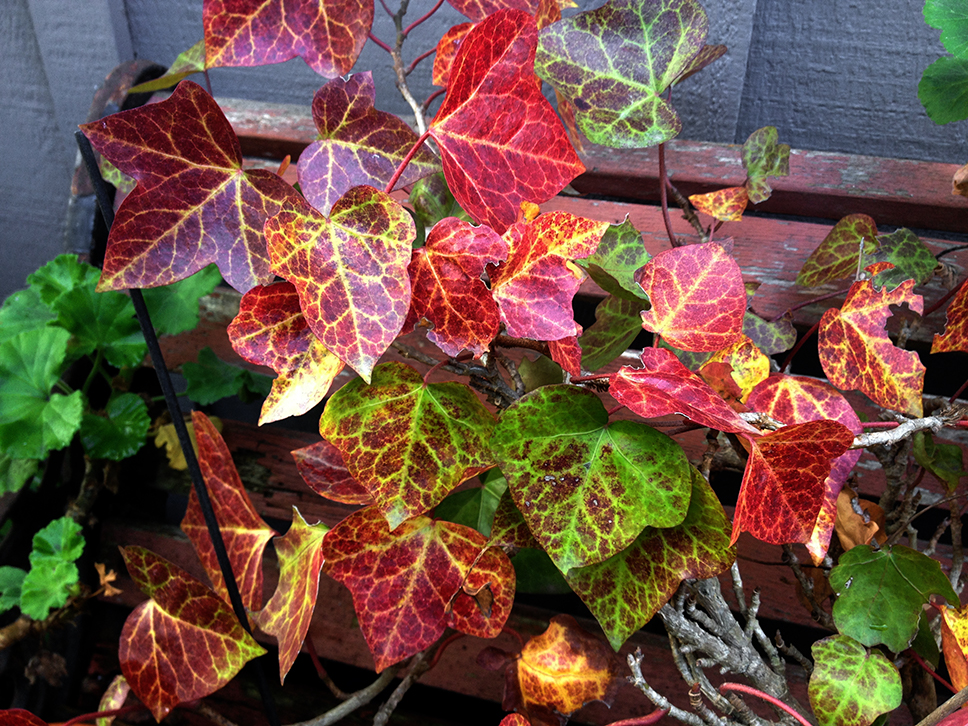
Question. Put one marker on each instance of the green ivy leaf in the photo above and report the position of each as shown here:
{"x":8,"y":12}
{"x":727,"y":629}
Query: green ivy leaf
{"x":542,"y":371}
{"x":34,"y":421}
{"x":617,"y":322}
{"x":951,"y":18}
{"x":880,"y":594}
{"x":772,"y":337}
{"x":433,"y":201}
{"x":763,"y":157}
{"x":536,"y":574}
{"x":14,"y":473}
{"x":836,"y":257}
{"x":120,"y":432}
{"x":53,"y":573}
{"x":943,"y":90}
{"x":11,"y":583}
{"x":23,"y":310}
{"x":475,"y":507}
{"x":924,"y":644}
{"x":945,"y":461}
{"x":212,"y":379}
{"x":850,"y":685}
{"x":580,"y":481}
{"x":174,"y":308}
{"x":911,"y":259}
{"x":619,"y":254}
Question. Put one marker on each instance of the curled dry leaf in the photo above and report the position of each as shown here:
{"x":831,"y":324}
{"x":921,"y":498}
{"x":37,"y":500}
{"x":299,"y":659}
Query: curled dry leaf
{"x":858,"y":529}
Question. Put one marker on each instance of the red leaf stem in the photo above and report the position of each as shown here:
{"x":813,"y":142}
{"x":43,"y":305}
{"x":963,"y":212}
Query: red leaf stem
{"x":920,"y":661}
{"x":419,"y":20}
{"x":651,"y":718}
{"x":879,"y":424}
{"x":664,"y":197}
{"x":811,"y":301}
{"x":511,"y":631}
{"x":387,"y":8}
{"x":434,"y":367}
{"x":749,"y":690}
{"x":406,"y":160}
{"x":806,"y":336}
{"x":616,"y":409}
{"x":379,"y":42}
{"x":86,"y":717}
{"x":432,"y":96}
{"x":595,"y":377}
{"x":954,"y":396}
{"x":422,"y":56}
{"x":443,"y":646}
{"x":945,"y":298}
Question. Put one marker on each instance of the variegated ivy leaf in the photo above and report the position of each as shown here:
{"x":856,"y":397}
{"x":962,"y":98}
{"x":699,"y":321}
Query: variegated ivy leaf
{"x":185,"y":64}
{"x":763,"y":157}
{"x":955,"y":335}
{"x":911,"y":260}
{"x":850,"y":685}
{"x":726,"y":205}
{"x":408,"y":443}
{"x":613,"y":63}
{"x":193,"y":204}
{"x":617,"y":322}
{"x":322,"y":467}
{"x":350,"y":270}
{"x":356,"y":144}
{"x":582,"y":482}
{"x":836,"y":257}
{"x":619,"y":255}
{"x":954,"y":644}
{"x":477,"y":10}
{"x":446,"y":52}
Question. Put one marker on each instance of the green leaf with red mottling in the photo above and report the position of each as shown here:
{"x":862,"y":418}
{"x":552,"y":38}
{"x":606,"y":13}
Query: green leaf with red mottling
{"x":666,"y":386}
{"x":771,"y":337}
{"x":580,"y":481}
{"x":446,"y":52}
{"x":445,"y":276}
{"x":726,"y":205}
{"x":509,"y":529}
{"x":185,"y":64}
{"x":535,"y":287}
{"x":477,"y":10}
{"x":244,"y":531}
{"x":322,"y":467}
{"x":408,"y":585}
{"x":620,"y":254}
{"x":698,"y":297}
{"x":836,"y":257}
{"x":349,"y":269}
{"x":856,"y":352}
{"x":911,"y":259}
{"x":955,"y":335}
{"x":500,"y":141}
{"x":289,"y":611}
{"x":613,"y":63}
{"x":617,"y":323}
{"x":881,"y":594}
{"x":406,"y":442}
{"x":356,"y":144}
{"x":945,"y":461}
{"x":793,"y":400}
{"x":763,"y":157}
{"x":193,"y":204}
{"x":182,"y":644}
{"x":328,"y":36}
{"x":706,"y":55}
{"x":783,"y":485}
{"x":626,"y":590}
{"x":271,"y":330}
{"x":567,"y":353}
{"x":850,"y":685}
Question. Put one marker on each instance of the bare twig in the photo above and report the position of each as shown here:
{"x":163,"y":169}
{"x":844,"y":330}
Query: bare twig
{"x":908,"y":427}
{"x":819,"y":614}
{"x":636,"y":679}
{"x":945,"y":709}
{"x":203,"y":709}
{"x":355,"y":701}
{"x":791,"y":651}
{"x":418,"y":666}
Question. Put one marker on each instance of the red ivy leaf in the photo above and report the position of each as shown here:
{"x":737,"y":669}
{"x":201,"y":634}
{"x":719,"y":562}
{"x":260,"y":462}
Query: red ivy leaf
{"x":956,"y":329}
{"x":500,"y":141}
{"x":477,"y":10}
{"x":349,"y":269}
{"x":447,"y":51}
{"x":271,"y":330}
{"x":514,"y":719}
{"x":445,"y":275}
{"x":567,"y":353}
{"x":321,"y":467}
{"x":666,"y":386}
{"x":726,"y":205}
{"x":243,"y":530}
{"x":856,"y":352}
{"x":193,"y":204}
{"x":408,"y":584}
{"x":783,"y":486}
{"x":698,"y":297}
{"x":356,"y":144}
{"x":290,"y":609}
{"x":182,"y":644}
{"x":535,"y":287}
{"x":327,"y":35}
{"x":20,"y":717}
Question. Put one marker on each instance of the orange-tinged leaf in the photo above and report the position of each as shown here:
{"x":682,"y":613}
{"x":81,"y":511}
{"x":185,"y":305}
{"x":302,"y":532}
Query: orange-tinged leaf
{"x":726,"y":205}
{"x":535,"y":287}
{"x":698,"y":297}
{"x":748,"y":363}
{"x":477,"y":10}
{"x":514,"y":719}
{"x":501,"y":143}
{"x":855,"y":529}
{"x":349,"y":269}
{"x":182,"y":644}
{"x":856,"y":352}
{"x":445,"y":276}
{"x":322,"y":467}
{"x":408,"y":585}
{"x":327,"y":35}
{"x":194,"y":204}
{"x":244,"y":531}
{"x":783,"y":486}
{"x":836,"y":257}
{"x":956,"y":329}
{"x":567,"y":353}
{"x":271,"y":330}
{"x":446,"y":52}
{"x":290,"y":609}
{"x":959,"y":182}
{"x":954,"y":644}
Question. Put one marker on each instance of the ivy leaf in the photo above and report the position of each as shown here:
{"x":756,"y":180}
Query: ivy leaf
{"x":856,"y":352}
{"x":666,"y":386}
{"x":535,"y":287}
{"x":120,"y":432}
{"x":567,"y":353}
{"x":408,"y":443}
{"x":243,"y":530}
{"x":328,"y":36}
{"x":194,"y":204}
{"x":850,"y":685}
{"x":836,"y":257}
{"x":33,"y":420}
{"x":182,"y":644}
{"x":945,"y":461}
{"x":350,"y":270}
{"x":763,"y":157}
{"x":509,"y":530}
{"x":698,"y":297}
{"x":613,"y":265}
{"x":114,"y":697}
{"x":880,"y":594}
{"x":211,"y":379}
{"x":271,"y":330}
{"x":512,"y":719}
{"x":477,"y":10}
{"x":447,"y":50}
{"x":956,"y":328}
{"x":356,"y":144}
{"x":185,"y":64}
{"x":408,"y":585}
{"x":625,"y":591}
{"x":950,"y":17}
{"x":706,"y":55}
{"x":617,"y":323}
{"x":614,"y":63}
{"x":580,"y":480}
{"x":20,"y":717}
{"x":475,"y":508}
{"x":322,"y":468}
{"x":748,"y":365}
{"x":53,"y":573}
{"x":772,"y":337}
{"x":500,"y":141}
{"x":445,"y":276}
{"x":174,"y":308}
{"x":954,"y":645}
{"x":911,"y":260}
{"x":943,"y":90}
{"x":726,"y":205}
{"x":289,"y":611}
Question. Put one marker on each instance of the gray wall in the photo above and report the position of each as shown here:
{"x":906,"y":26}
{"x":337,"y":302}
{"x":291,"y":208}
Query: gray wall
{"x":836,"y":75}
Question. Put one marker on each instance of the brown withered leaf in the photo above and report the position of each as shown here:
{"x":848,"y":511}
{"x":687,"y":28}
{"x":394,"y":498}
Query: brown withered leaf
{"x":855,"y":529}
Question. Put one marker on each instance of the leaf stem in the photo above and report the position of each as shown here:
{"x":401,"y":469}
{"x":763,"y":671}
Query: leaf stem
{"x":98,"y":359}
{"x":416,"y":61}
{"x":379,"y":42}
{"x":749,"y":690}
{"x":104,"y":714}
{"x":811,"y":301}
{"x":310,"y":648}
{"x":664,"y":197}
{"x":961,"y":389}
{"x":430,"y":99}
{"x":419,"y":20}
{"x":929,"y":669}
{"x":944,"y":298}
{"x":406,"y":160}
{"x":654,"y":717}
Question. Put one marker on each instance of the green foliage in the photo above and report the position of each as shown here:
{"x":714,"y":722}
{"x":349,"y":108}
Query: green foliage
{"x":943,"y":90}
{"x":850,"y":685}
{"x":53,"y":574}
{"x":174,"y":308}
{"x":475,"y":507}
{"x":212,"y":379}
{"x":120,"y":432}
{"x":11,"y":584}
